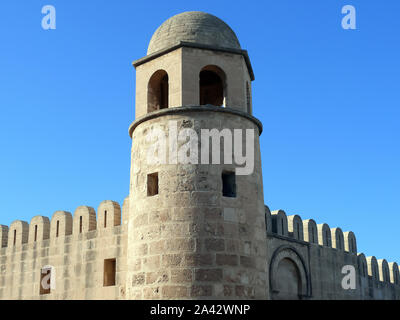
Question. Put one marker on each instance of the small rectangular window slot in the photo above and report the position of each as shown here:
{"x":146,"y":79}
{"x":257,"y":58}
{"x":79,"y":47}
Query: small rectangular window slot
{"x":152,"y":184}
{"x":45,"y":281}
{"x":110,"y":272}
{"x":229,"y":184}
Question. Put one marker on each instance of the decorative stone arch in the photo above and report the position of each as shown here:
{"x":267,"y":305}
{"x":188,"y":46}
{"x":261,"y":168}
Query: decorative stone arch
{"x":324,"y":235}
{"x":268,"y":219}
{"x":39,"y":229}
{"x":350,"y":242}
{"x":18,"y":233}
{"x":383,"y":267}
{"x":213,"y":86}
{"x":337,"y":239}
{"x":3,"y":236}
{"x":394,"y":273}
{"x":279,"y":223}
{"x":310,"y":231}
{"x":286,"y":262}
{"x":362,"y":265}
{"x":373,"y":269}
{"x":84,"y":220}
{"x":108,"y":215}
{"x":158,"y":91}
{"x":295,"y":227}
{"x":61,"y":224}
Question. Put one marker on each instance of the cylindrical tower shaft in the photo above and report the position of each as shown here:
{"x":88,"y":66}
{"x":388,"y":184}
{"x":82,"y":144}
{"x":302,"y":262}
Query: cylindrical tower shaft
{"x":196,"y":230}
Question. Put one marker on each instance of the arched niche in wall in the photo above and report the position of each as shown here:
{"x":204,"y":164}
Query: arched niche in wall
{"x":288,"y":275}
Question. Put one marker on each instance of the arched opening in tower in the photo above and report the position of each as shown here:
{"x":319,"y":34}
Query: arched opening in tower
{"x":212,"y":86}
{"x":157,"y":91}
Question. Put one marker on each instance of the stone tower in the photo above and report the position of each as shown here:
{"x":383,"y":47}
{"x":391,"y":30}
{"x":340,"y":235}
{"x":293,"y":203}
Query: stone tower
{"x":196,"y":225}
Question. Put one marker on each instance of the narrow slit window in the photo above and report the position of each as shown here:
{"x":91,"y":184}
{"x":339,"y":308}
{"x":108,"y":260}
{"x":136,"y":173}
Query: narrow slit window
{"x":80,"y":224}
{"x":229,"y":184}
{"x":45,"y":281}
{"x":105,"y":219}
{"x":152,"y":184}
{"x":15,"y":237}
{"x":35,"y":233}
{"x":58,"y":229}
{"x":248,"y":97}
{"x":110,"y":272}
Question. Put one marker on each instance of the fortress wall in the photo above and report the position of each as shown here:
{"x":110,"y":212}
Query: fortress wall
{"x":321,"y":256}
{"x":77,"y":257}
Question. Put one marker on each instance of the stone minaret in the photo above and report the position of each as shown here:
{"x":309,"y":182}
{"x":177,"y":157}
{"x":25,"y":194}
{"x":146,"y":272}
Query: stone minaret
{"x":196,"y":225}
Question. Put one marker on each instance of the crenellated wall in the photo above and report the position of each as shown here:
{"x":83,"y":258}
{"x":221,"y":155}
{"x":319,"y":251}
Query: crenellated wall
{"x":302,"y":257}
{"x":75,"y":246}
{"x":315,"y":255}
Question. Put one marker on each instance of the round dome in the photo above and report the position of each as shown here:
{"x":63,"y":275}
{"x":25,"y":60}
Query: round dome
{"x":195,"y":27}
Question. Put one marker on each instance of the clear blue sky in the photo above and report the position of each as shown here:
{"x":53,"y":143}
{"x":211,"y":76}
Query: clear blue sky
{"x":328,"y":99}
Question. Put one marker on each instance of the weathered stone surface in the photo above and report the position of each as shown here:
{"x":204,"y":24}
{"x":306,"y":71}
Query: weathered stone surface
{"x":195,"y":27}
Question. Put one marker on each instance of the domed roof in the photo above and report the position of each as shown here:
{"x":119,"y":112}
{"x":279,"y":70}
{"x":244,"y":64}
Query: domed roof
{"x":195,"y":27}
